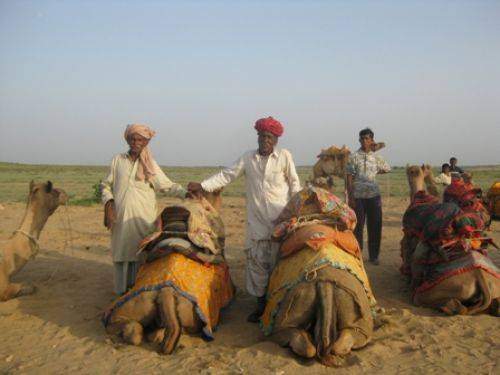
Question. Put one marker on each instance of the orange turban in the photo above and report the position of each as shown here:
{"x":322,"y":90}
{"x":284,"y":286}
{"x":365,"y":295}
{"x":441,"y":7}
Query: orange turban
{"x":270,"y":125}
{"x":145,"y":170}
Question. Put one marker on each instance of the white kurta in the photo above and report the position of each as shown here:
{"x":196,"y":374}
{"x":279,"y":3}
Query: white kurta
{"x":270,"y":182}
{"x":269,"y":187}
{"x":135,"y":204}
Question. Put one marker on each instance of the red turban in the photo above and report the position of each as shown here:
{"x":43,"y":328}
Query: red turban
{"x":270,"y":125}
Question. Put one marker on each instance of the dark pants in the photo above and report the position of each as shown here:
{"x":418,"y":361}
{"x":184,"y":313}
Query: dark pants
{"x":371,"y":209}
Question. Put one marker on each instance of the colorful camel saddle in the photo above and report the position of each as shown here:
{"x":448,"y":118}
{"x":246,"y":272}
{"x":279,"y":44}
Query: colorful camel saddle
{"x":207,"y":286}
{"x":450,"y":236}
{"x":303,"y":266}
{"x":439,"y":223}
{"x":494,"y":199}
{"x":435,"y":270}
{"x":192,"y":228}
{"x":314,"y":204}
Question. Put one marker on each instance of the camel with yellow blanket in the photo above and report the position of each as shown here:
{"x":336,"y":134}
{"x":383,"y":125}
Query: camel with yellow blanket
{"x":183,"y":284}
{"x":319,"y":300}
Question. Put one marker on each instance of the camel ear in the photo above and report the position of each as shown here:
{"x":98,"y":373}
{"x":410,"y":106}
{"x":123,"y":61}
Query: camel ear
{"x":48,"y":187}
{"x":32,"y":185}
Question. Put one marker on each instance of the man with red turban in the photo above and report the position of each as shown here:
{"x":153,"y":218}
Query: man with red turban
{"x":128,"y":193}
{"x":270,"y":181}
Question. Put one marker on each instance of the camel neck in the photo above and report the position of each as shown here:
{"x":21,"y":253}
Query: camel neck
{"x":33,"y":221}
{"x":416,"y":184}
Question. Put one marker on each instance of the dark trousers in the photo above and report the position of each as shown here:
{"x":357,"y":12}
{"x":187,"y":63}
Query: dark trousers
{"x":371,"y":210}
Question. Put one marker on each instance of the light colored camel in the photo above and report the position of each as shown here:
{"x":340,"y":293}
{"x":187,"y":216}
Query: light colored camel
{"x":43,"y":200}
{"x":469,"y":292}
{"x":166,"y":312}
{"x":332,"y":163}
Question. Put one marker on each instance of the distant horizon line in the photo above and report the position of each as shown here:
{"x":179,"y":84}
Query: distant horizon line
{"x":213,"y":166}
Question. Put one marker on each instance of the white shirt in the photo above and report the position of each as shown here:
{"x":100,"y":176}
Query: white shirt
{"x":269,"y":186}
{"x":443,"y":179}
{"x":135,"y":204}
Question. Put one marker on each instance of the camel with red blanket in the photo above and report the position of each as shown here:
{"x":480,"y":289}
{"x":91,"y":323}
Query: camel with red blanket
{"x":183,"y":283}
{"x":445,"y":249}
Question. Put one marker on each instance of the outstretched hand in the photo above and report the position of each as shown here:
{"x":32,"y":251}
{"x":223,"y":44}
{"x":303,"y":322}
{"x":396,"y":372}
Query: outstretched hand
{"x":195,"y":190}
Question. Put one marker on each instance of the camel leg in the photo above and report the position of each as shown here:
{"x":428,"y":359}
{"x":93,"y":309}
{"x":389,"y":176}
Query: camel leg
{"x":355,"y":325}
{"x":495,"y":307}
{"x":447,"y":296}
{"x":133,"y":333}
{"x":189,"y":319}
{"x":14,"y":290}
{"x":453,"y":307}
{"x":156,"y":336}
{"x":297,"y":310}
{"x":169,"y":320}
{"x":299,"y":341}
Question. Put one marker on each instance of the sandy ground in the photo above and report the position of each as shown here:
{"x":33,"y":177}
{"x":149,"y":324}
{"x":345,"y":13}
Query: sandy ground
{"x":58,"y":329}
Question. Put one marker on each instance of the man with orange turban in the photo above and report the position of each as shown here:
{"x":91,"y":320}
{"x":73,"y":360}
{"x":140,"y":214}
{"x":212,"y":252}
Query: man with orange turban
{"x":128,"y":193}
{"x":270,"y":181}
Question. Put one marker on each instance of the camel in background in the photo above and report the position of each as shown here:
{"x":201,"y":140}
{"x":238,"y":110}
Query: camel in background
{"x":332,"y":163}
{"x":448,"y":265}
{"x":43,"y":200}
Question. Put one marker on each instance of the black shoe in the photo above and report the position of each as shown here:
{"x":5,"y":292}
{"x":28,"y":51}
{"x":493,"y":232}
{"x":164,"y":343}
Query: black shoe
{"x":255,"y":316}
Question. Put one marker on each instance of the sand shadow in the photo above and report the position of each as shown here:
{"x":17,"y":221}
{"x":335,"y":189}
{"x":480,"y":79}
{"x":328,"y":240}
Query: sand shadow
{"x":72,"y":292}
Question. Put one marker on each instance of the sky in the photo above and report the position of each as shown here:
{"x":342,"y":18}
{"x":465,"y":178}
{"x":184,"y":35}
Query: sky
{"x":424,"y":75}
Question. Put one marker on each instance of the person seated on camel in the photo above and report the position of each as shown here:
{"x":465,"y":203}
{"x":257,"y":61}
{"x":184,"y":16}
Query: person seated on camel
{"x":444,"y":178}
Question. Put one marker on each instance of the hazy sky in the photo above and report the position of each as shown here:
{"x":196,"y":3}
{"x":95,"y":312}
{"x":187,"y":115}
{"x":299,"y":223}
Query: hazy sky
{"x":425,"y":75}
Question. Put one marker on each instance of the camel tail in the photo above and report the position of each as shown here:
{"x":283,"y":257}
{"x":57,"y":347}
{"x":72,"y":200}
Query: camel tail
{"x":167,"y":304}
{"x":326,"y":323}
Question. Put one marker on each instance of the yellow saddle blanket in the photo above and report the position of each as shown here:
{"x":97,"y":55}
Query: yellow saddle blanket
{"x":207,"y":286}
{"x":302,"y":266}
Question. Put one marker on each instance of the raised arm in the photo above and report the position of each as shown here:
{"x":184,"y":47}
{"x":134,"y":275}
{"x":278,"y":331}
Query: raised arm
{"x":224,"y":176}
{"x":382,"y":165}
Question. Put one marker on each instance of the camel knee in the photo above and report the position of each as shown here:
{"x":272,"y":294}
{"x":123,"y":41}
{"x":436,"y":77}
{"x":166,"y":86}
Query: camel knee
{"x":14,"y":290}
{"x":157,"y":336}
{"x":133,"y":333}
{"x":301,"y":344}
{"x":495,"y":307}
{"x":344,"y":343}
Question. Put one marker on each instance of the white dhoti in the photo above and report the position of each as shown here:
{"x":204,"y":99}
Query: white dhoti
{"x":125,"y":273}
{"x":261,"y":258}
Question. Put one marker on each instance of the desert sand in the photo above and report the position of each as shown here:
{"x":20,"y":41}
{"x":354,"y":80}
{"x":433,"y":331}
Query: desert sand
{"x":58,"y":330}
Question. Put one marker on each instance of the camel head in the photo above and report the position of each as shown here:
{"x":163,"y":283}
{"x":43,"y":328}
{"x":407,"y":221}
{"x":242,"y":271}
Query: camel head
{"x":45,"y":198}
{"x":333,"y":160}
{"x":214,"y":198}
{"x":415,"y":175}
